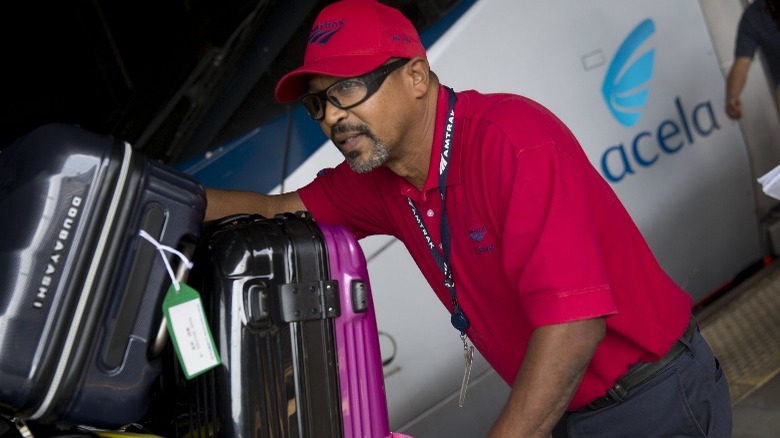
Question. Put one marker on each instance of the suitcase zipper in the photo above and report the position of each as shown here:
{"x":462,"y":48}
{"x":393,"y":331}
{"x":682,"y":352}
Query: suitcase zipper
{"x":90,"y":279}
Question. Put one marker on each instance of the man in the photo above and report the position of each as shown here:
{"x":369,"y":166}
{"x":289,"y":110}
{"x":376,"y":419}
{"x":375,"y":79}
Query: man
{"x":759,"y":27}
{"x":518,"y":235}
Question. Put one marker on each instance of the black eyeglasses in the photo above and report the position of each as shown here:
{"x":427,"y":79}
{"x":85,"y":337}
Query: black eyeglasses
{"x":351,"y":92}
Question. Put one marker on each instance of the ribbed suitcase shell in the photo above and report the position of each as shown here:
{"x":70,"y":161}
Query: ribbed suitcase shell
{"x":278,"y":377}
{"x":363,"y":399}
{"x":80,"y":291}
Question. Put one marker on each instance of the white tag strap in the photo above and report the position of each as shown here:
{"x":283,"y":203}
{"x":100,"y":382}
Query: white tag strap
{"x":163,"y":249}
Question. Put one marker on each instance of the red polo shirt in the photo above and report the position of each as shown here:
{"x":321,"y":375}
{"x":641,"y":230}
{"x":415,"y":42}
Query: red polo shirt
{"x":538,"y":237}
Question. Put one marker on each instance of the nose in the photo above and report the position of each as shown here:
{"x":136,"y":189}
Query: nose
{"x":333,"y":114}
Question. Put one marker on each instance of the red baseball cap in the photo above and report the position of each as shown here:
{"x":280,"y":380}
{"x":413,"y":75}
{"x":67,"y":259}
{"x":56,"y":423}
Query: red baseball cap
{"x":350,"y":38}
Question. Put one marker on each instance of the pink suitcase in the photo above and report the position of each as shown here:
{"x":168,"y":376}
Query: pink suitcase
{"x":361,"y":381}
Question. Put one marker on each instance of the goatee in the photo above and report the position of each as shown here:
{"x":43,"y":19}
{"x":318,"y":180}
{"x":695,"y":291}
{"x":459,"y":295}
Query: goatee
{"x":377,"y":154}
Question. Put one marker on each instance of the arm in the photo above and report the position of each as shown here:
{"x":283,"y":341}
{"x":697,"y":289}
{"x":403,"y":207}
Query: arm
{"x":734,"y":85}
{"x":225,"y":202}
{"x":554,"y":364}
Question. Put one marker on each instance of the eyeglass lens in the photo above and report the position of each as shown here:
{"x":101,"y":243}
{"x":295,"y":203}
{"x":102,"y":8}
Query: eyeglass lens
{"x":348,"y":93}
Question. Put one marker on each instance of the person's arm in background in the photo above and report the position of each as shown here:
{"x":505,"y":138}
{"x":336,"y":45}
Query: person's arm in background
{"x":221,"y":203}
{"x":734,"y":86}
{"x":552,"y":369}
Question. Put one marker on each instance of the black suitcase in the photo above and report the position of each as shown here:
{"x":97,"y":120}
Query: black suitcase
{"x":80,"y":291}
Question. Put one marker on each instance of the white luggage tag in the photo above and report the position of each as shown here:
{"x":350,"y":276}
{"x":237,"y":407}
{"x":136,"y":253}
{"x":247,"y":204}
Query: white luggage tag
{"x":186,"y":321}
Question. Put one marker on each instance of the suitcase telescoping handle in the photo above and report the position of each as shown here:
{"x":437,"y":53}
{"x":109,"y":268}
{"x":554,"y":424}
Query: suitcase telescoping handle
{"x":182,"y":273}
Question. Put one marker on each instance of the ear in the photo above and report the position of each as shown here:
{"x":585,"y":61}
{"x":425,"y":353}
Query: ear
{"x":419,"y":72}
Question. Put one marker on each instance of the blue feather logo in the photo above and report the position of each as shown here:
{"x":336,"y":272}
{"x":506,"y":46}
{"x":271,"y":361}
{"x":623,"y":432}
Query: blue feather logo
{"x":625,"y":87}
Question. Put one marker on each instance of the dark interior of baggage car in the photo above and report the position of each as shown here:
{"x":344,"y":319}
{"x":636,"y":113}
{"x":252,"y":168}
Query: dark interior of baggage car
{"x":172,"y":77}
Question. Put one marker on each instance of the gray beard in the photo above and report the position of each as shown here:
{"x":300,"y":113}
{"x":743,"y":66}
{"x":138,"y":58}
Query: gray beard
{"x":378,"y":154}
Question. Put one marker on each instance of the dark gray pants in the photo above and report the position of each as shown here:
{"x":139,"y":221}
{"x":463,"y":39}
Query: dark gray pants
{"x":688,"y":399}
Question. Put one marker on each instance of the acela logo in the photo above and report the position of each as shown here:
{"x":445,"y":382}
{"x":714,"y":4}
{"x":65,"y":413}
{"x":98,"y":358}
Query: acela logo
{"x":625,"y":90}
{"x":625,"y":86}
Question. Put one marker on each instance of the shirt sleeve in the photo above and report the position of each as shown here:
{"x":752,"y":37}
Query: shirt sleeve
{"x":747,"y":36}
{"x":340,"y":196}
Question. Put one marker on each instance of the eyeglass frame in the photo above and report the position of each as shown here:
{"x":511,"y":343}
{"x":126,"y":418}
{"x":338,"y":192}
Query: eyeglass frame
{"x":373,"y":81}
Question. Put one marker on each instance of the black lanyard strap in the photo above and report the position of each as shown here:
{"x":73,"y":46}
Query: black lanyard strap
{"x":458,"y":318}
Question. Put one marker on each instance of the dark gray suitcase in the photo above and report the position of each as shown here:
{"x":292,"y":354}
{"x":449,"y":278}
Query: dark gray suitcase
{"x":80,"y":291}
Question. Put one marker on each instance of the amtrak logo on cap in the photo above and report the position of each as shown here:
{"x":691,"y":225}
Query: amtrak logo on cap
{"x":625,"y":88}
{"x":322,"y":32}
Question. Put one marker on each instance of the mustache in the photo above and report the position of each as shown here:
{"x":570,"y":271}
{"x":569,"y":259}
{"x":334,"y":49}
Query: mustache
{"x":342,"y":128}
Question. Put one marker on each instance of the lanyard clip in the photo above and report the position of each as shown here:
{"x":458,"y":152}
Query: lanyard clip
{"x":459,"y":320}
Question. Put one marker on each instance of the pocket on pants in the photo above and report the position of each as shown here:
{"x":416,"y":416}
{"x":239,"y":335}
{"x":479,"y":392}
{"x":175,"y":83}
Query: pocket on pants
{"x":707,"y":391}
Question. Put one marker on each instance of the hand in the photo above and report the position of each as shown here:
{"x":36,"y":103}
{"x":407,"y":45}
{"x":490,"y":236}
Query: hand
{"x":734,"y":107}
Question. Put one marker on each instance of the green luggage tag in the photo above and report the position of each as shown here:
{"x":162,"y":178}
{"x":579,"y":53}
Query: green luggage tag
{"x":185,"y":319}
{"x":189,"y":330}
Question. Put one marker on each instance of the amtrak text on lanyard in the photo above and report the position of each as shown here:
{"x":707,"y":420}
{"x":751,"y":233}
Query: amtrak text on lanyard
{"x":458,"y":318}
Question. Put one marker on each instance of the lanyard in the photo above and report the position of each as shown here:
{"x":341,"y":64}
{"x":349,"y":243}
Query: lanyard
{"x":458,"y":318}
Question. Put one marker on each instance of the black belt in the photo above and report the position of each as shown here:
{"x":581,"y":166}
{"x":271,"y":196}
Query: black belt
{"x":641,"y":373}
